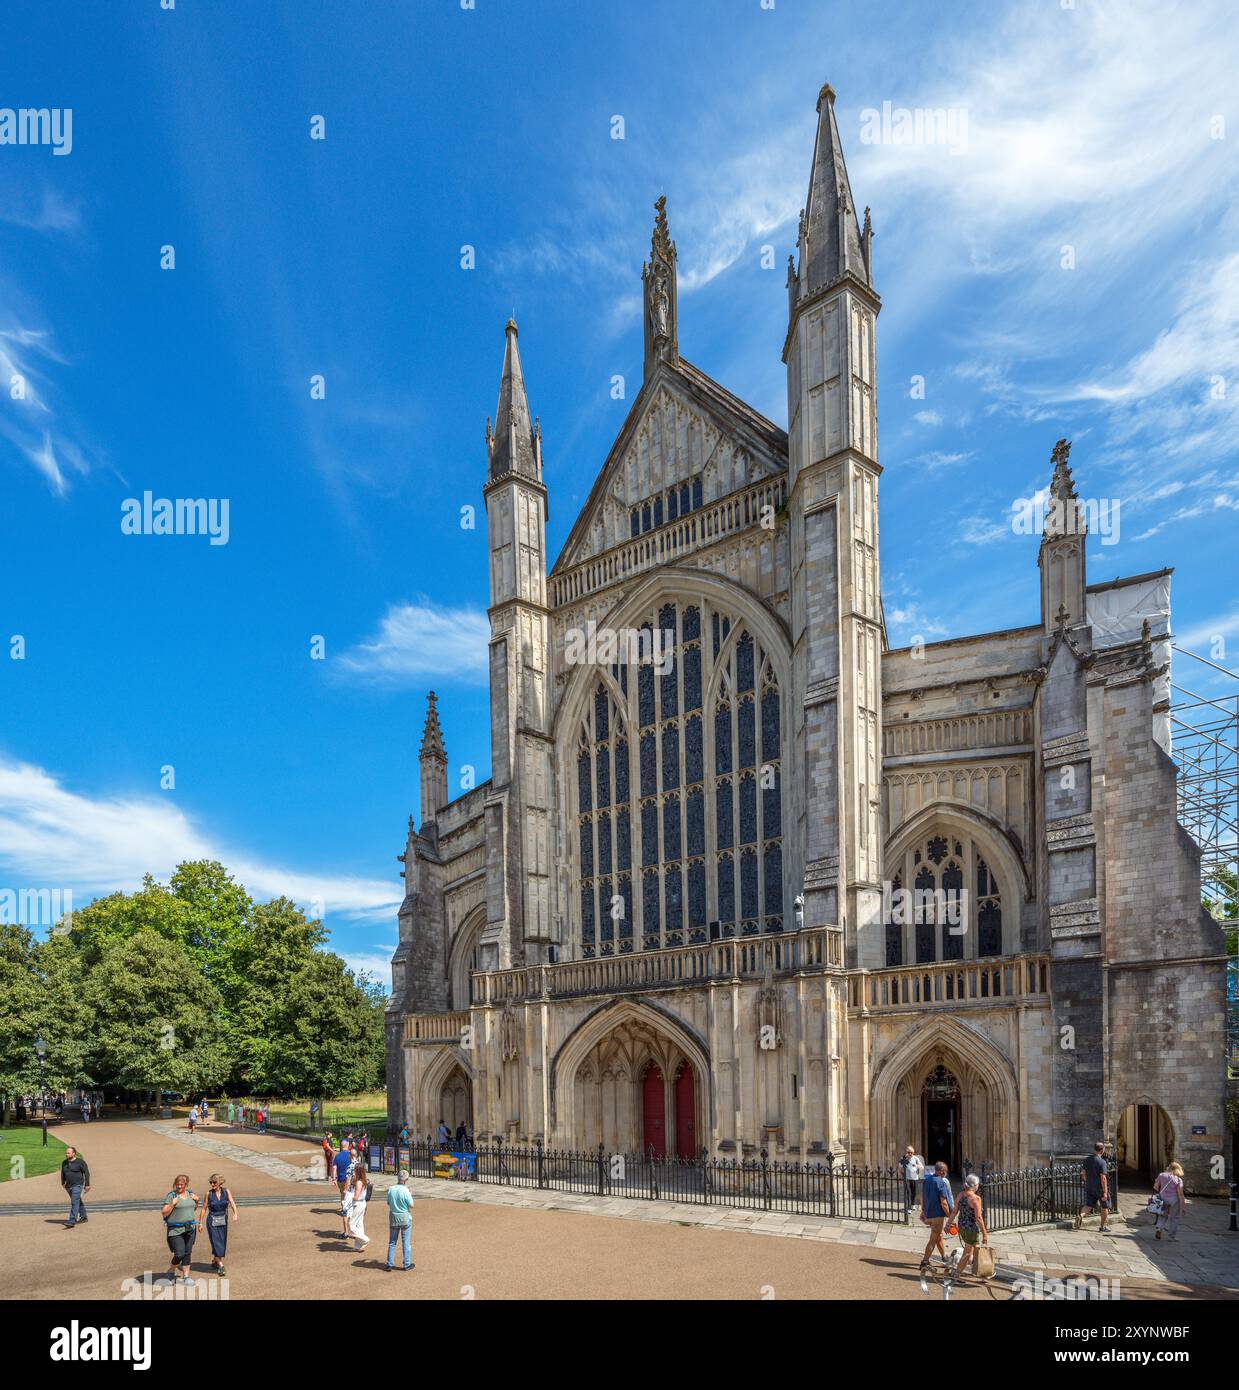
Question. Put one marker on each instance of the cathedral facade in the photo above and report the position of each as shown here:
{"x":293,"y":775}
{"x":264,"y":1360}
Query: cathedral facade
{"x":745,"y":877}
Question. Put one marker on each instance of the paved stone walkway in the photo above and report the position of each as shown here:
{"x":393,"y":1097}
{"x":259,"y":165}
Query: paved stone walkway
{"x":230,"y":1153}
{"x":1206,"y":1253}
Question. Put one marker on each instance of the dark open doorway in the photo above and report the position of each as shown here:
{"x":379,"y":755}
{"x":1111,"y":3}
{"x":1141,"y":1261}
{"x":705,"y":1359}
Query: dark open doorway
{"x":940,"y":1104}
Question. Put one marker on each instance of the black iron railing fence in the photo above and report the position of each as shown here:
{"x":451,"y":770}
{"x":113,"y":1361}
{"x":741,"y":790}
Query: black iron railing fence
{"x":1033,"y":1196}
{"x":1022,"y":1197}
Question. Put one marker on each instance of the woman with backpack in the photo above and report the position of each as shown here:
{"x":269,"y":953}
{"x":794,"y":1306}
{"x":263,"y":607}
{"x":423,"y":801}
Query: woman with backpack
{"x":214,"y":1216}
{"x":179,"y":1212}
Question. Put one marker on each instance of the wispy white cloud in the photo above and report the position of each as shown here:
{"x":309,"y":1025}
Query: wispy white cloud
{"x":419,"y":640}
{"x":53,"y":836}
{"x":937,"y":459}
{"x":39,"y":209}
{"x":29,"y":419}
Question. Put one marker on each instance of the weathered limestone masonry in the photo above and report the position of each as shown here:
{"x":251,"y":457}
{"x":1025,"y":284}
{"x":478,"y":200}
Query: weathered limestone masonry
{"x":1165,"y":955}
{"x":744,"y":877}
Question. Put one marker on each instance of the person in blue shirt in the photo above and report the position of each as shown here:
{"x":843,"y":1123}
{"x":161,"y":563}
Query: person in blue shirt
{"x":342,"y":1165}
{"x":936,"y":1206}
{"x":400,"y":1221}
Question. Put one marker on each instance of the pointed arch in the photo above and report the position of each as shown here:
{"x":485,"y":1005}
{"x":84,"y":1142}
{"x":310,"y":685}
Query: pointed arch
{"x":984,"y":829}
{"x":989,"y":1089}
{"x":462,"y":955}
{"x":705,"y":832}
{"x":436,"y":1075}
{"x":658,"y":1036}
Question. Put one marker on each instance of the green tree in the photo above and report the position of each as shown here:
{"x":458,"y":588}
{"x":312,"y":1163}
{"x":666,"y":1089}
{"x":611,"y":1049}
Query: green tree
{"x":66,"y":1018}
{"x":20,"y":1000}
{"x":321,"y":1034}
{"x":157,"y":1019}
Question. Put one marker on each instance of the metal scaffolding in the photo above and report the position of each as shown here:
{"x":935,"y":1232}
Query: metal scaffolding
{"x":1204,"y":734}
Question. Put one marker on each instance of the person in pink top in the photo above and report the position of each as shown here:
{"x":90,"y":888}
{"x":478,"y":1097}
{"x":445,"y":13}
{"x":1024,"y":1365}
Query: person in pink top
{"x":1169,"y":1187}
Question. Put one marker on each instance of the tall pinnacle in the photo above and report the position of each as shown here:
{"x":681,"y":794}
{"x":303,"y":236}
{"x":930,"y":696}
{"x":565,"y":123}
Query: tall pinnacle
{"x":830,"y":234}
{"x":1063,"y":514}
{"x":432,"y":734}
{"x":1062,"y":484}
{"x":513,"y":445}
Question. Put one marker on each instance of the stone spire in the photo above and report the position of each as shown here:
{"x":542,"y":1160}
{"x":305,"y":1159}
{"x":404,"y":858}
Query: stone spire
{"x":830,"y":236}
{"x":514,"y":446}
{"x":658,"y":283}
{"x":433,"y":760}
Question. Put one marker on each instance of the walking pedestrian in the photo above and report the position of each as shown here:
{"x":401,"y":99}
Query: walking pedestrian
{"x":404,"y":1134}
{"x":217,"y":1208}
{"x":179,"y":1212}
{"x":1096,"y":1177}
{"x":971,"y":1219}
{"x":357,"y":1213}
{"x":935,"y":1208}
{"x":400,"y":1221}
{"x":912,"y":1170}
{"x":444,"y":1135}
{"x":462,"y":1136}
{"x":329,"y":1154}
{"x":86,"y":1109}
{"x":75,"y":1179}
{"x":232,"y":1113}
{"x":342,"y":1164}
{"x":1169,"y":1188}
{"x":193,"y":1118}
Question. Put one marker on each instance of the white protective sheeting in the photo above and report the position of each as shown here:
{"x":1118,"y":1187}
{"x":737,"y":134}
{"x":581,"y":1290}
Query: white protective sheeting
{"x":1117,"y":616}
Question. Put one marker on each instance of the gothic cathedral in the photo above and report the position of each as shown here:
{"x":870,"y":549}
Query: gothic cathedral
{"x":745,"y":877}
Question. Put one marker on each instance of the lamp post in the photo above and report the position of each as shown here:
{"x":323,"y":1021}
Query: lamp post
{"x":40,"y":1051}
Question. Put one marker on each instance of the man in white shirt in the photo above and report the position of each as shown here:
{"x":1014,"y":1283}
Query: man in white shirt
{"x":912,"y":1168}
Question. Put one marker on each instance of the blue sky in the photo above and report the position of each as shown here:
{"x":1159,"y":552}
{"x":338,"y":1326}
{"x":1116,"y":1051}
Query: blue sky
{"x":1110,"y":129}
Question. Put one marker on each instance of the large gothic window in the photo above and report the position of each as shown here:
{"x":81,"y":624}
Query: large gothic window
{"x":679,"y":791}
{"x":954,"y":908}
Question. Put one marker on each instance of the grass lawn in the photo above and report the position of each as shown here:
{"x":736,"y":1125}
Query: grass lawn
{"x":22,"y":1154}
{"x":369,"y":1107}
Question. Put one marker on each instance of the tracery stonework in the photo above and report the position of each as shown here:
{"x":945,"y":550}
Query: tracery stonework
{"x":771,"y":882}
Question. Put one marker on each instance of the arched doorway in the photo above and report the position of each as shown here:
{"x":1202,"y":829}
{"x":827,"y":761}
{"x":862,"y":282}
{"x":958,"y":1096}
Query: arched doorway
{"x":1145,"y":1141}
{"x":940,"y":1118}
{"x":456,"y":1100}
{"x":967,"y":1076}
{"x":632,"y":1080}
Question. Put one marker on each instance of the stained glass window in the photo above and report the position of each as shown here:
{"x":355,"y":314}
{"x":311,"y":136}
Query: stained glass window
{"x":695,"y":811}
{"x":941,"y":920}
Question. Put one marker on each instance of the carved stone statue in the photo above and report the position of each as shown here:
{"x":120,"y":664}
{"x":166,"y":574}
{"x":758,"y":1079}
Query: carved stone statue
{"x":660,"y":305}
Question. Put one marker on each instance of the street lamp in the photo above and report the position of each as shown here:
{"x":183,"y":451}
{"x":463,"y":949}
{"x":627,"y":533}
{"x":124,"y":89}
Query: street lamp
{"x":40,"y":1051}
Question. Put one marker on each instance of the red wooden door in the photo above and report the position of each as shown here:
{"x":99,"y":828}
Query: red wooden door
{"x":685,"y":1113}
{"x":653,"y":1109}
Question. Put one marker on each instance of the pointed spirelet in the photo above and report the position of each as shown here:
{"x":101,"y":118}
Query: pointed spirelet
{"x":432,"y":734}
{"x":511,"y":442}
{"x":1062,"y":484}
{"x":830,"y":234}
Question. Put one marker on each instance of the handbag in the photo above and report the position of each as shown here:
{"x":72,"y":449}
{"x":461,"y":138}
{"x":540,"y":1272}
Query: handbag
{"x":1156,"y":1205}
{"x":985,"y":1262}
